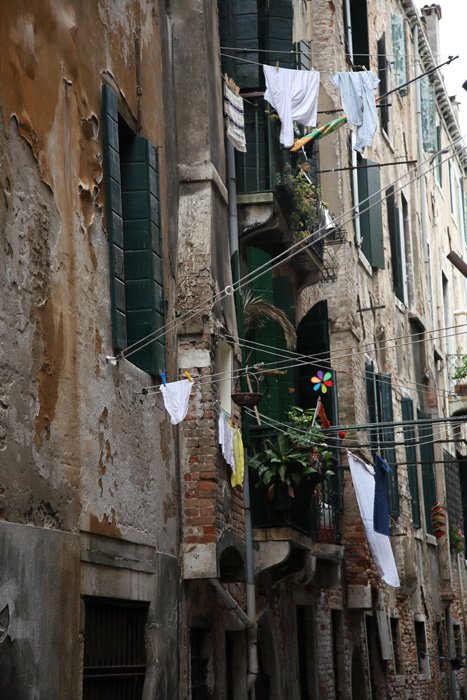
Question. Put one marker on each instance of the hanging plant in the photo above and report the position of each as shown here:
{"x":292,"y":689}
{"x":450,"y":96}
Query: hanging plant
{"x":306,"y":197}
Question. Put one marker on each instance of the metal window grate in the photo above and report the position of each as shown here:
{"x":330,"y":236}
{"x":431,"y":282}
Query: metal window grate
{"x":114,"y":649}
{"x":199,"y":664}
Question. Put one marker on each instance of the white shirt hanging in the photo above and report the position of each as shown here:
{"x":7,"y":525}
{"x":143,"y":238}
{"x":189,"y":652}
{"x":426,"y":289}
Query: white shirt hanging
{"x":294,"y":96}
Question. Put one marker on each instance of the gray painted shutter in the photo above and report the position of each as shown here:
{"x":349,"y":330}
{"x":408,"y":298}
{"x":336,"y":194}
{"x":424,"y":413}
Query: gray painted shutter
{"x":428,"y":110}
{"x":385,"y":389}
{"x":411,"y":458}
{"x":143,"y":252}
{"x":371,"y":224}
{"x":399,"y":49}
{"x":114,"y":217}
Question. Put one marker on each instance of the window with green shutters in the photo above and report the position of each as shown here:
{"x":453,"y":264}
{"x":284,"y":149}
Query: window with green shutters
{"x":278,"y":397}
{"x":399,"y":50}
{"x":428,"y":114}
{"x":135,"y":243}
{"x":427,"y":458}
{"x":379,"y":404}
{"x":411,"y":459}
{"x":370,"y":213}
{"x":395,"y":238}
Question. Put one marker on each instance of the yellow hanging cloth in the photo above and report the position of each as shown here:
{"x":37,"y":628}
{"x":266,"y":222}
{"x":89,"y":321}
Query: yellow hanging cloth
{"x":237,"y":478}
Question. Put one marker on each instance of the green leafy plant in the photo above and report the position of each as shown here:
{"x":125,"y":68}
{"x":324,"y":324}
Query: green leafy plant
{"x":280,"y":463}
{"x":457,"y":538}
{"x":306,"y":197}
{"x":461,"y":372}
{"x":303,"y":433}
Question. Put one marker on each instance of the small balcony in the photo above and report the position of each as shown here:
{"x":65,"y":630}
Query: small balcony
{"x":314,"y":511}
{"x":265,"y":204}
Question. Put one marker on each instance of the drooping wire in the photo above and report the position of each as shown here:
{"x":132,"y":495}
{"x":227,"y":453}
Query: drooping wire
{"x":285,"y":256}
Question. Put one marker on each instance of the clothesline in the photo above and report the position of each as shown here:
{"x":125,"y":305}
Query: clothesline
{"x":380,"y":343}
{"x":281,"y":427}
{"x":322,"y":357}
{"x":317,"y":53}
{"x":286,"y":255}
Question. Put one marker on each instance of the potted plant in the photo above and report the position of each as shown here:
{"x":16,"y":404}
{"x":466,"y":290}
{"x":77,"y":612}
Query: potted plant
{"x":305,"y":434}
{"x":299,"y":454}
{"x":460,"y":374}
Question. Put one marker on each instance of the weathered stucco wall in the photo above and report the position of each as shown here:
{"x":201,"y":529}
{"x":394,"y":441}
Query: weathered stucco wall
{"x":39,"y":605}
{"x":79,"y":449}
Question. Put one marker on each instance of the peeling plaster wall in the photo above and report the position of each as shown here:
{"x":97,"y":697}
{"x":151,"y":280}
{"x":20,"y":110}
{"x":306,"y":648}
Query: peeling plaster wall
{"x":80,"y":449}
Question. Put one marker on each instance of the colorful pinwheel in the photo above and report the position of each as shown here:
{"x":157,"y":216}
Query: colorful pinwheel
{"x":322,"y":381}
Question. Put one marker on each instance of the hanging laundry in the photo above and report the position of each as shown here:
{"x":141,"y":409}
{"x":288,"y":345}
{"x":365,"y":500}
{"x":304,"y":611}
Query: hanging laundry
{"x":294,"y":96}
{"x":380,"y":546}
{"x":358,"y":103}
{"x":226,"y":441}
{"x":236,"y":478}
{"x":381,"y":507}
{"x":234,"y":119}
{"x":176,"y":398}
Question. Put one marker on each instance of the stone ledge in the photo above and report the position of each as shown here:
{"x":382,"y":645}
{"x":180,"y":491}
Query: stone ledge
{"x":204,"y":171}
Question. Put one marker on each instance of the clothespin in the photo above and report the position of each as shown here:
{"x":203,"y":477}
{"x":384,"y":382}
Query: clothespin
{"x":189,"y":377}
{"x":164,"y":381}
{"x":277,"y":66}
{"x":224,"y":414}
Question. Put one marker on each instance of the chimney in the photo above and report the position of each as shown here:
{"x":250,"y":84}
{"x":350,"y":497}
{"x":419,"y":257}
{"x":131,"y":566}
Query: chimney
{"x":432,"y":15}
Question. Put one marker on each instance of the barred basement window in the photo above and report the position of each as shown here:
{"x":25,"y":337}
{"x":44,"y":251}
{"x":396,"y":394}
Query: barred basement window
{"x":114,"y":649}
{"x":199,"y":664}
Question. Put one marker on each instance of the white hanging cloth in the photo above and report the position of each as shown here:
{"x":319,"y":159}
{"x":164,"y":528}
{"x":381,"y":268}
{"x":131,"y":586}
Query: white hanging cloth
{"x":226,"y":441}
{"x":294,"y":96}
{"x":176,"y":399}
{"x":363,"y":477}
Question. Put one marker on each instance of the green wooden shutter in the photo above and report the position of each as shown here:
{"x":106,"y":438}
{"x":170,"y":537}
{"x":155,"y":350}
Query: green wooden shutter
{"x":114,"y":217}
{"x":395,"y":241}
{"x":275,"y":32}
{"x":399,"y":50}
{"x":371,"y":223}
{"x":386,"y":416}
{"x":313,"y":339}
{"x":143,"y":251}
{"x":428,"y":113}
{"x":246,"y":32}
{"x":226,"y":11}
{"x":283,"y":300}
{"x":411,"y":459}
{"x":427,"y":457}
{"x":263,"y":287}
